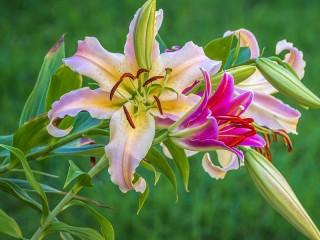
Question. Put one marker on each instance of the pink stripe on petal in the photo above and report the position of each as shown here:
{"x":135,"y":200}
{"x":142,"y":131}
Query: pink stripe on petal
{"x":96,"y":102}
{"x":270,"y":112}
{"x":220,"y":102}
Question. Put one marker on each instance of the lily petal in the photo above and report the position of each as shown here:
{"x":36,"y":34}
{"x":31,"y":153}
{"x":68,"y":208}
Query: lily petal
{"x":227,"y":159}
{"x":185,"y":64}
{"x":257,"y":83}
{"x":96,"y":102}
{"x":93,"y":61}
{"x":176,"y":108}
{"x":220,"y":102}
{"x":128,"y":146}
{"x":129,"y":46}
{"x":247,"y":39}
{"x":269,"y":111}
{"x":294,"y":58}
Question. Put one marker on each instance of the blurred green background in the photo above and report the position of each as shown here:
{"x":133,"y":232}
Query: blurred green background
{"x":224,"y":209}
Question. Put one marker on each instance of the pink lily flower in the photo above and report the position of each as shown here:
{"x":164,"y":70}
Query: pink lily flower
{"x":131,"y":97}
{"x":215,"y":124}
{"x":267,"y":110}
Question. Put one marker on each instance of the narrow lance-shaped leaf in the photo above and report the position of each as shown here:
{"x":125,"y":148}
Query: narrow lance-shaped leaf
{"x":142,"y":196}
{"x":276,"y":190}
{"x":105,"y":225}
{"x":35,"y":104}
{"x":30,"y":177}
{"x":81,"y":232}
{"x":9,"y":226}
{"x":151,"y":168}
{"x":181,"y":161}
{"x":156,"y":158}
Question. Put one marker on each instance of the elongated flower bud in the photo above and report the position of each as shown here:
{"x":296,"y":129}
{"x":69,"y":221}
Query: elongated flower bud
{"x":239,"y":74}
{"x":287,"y":83}
{"x":276,"y":190}
{"x":144,"y":35}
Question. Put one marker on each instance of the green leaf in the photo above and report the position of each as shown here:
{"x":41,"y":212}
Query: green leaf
{"x":74,"y":172}
{"x":86,"y":150}
{"x":6,"y":140}
{"x":63,"y":81}
{"x":105,"y":225}
{"x":30,"y":177}
{"x":180,"y":158}
{"x":156,"y":158}
{"x":9,"y":226}
{"x":162,"y":44}
{"x":149,"y":167}
{"x":32,"y":134}
{"x":81,"y":232}
{"x":35,"y":104}
{"x":219,"y":49}
{"x":237,"y":58}
{"x":142,"y":198}
{"x":9,"y":186}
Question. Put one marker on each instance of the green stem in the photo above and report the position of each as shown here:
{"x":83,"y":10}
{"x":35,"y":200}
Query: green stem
{"x":76,"y":188}
{"x":160,"y":139}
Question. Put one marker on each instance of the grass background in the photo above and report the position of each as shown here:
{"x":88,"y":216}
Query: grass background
{"x":224,"y":209}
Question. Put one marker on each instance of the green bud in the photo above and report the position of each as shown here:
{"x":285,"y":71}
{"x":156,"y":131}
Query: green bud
{"x":287,"y":83}
{"x":239,"y":74}
{"x":276,"y":190}
{"x":143,"y":35}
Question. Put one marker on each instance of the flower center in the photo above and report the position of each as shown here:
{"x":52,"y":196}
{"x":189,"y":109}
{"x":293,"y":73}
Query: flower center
{"x":143,"y":88}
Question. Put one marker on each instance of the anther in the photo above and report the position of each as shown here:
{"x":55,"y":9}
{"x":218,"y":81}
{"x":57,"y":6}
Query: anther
{"x":128,"y":117}
{"x":123,"y":76}
{"x":158,"y":104}
{"x":150,"y":80}
{"x":141,"y":70}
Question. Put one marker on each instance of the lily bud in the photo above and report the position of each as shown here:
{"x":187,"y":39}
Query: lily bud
{"x":276,"y":190}
{"x":287,"y":83}
{"x":239,"y":74}
{"x":143,"y":36}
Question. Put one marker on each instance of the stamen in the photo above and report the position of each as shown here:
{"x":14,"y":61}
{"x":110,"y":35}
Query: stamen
{"x":128,"y":117}
{"x":113,"y":90}
{"x":158,"y":104}
{"x":286,"y":139}
{"x":267,"y":138}
{"x":141,"y":70}
{"x":150,"y":80}
{"x":236,"y":141}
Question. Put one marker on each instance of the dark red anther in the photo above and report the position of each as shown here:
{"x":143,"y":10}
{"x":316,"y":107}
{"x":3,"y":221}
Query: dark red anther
{"x":158,"y":104}
{"x":168,"y":69}
{"x":267,"y":138}
{"x":123,"y":76}
{"x":128,"y":117}
{"x":141,"y":70}
{"x":150,"y":80}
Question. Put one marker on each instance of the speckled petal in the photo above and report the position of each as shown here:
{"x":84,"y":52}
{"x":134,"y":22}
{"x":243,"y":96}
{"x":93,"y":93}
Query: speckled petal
{"x":128,"y":146}
{"x":96,"y":102}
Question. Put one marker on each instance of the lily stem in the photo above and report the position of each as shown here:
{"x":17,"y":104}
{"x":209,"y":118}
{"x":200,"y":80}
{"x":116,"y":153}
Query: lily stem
{"x":75,"y":189}
{"x":160,"y":139}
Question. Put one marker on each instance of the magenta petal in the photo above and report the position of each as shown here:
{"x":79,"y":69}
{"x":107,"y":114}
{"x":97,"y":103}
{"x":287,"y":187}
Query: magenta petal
{"x":242,"y":101}
{"x":220,"y":102}
{"x":253,"y":141}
